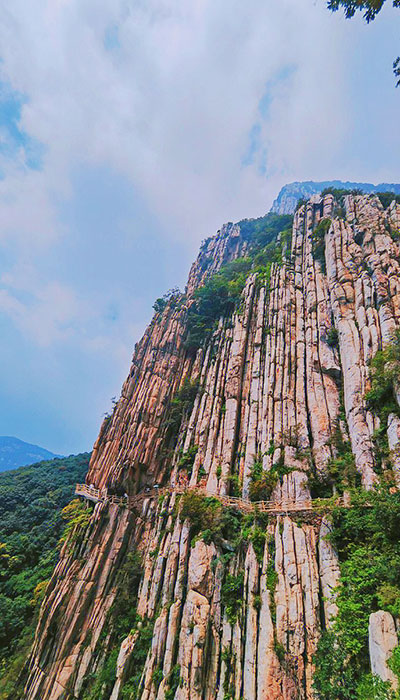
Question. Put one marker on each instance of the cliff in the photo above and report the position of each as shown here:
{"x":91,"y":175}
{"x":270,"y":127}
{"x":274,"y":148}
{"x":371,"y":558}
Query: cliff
{"x":251,"y":385}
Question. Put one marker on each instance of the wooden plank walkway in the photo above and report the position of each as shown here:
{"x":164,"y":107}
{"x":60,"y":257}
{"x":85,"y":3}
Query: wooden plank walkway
{"x":273,"y":507}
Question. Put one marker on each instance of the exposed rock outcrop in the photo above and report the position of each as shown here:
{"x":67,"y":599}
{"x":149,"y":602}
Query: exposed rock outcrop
{"x":274,"y":384}
{"x":382,"y":640}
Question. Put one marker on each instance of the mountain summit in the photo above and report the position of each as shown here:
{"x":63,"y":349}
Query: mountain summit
{"x":17,"y":453}
{"x":291,"y":194}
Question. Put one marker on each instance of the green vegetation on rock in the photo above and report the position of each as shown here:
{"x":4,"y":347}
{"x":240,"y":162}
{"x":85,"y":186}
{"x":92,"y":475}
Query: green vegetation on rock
{"x":122,"y":621}
{"x":232,"y":595}
{"x":186,"y":460}
{"x":263,"y":482}
{"x":173,"y":297}
{"x":367,"y":542}
{"x":385,"y":376}
{"x":385,"y":373}
{"x":217,"y":298}
{"x":209,"y":520}
{"x":318,"y":242}
{"x":386,"y":198}
{"x":366,"y":537}
{"x":77,"y":515}
{"x":266,"y":229}
{"x":340,"y":193}
{"x":179,"y":409}
{"x":221,"y":293}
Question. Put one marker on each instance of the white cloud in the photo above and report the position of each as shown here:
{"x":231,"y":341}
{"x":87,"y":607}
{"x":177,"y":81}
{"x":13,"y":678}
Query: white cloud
{"x":165,"y":94}
{"x":171,"y":106}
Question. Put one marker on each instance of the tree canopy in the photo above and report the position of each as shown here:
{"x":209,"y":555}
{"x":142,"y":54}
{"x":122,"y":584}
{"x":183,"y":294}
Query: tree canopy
{"x":32,"y":499}
{"x":370,"y":8}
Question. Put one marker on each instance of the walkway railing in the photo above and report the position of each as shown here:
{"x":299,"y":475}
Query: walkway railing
{"x":283,"y":506}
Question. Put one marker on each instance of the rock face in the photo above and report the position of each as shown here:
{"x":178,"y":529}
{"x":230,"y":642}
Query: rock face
{"x":274,"y":383}
{"x":382,"y":640}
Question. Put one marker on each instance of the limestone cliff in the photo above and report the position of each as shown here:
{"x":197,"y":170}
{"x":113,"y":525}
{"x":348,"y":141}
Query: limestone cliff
{"x":265,"y":393}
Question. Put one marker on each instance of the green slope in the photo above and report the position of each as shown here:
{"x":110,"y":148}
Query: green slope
{"x":31,"y":501}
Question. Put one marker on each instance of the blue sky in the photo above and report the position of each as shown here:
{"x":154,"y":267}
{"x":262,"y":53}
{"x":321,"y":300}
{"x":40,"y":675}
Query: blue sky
{"x":130,"y":131}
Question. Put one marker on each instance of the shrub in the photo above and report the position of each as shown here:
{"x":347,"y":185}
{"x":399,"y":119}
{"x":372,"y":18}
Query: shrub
{"x":272,"y":578}
{"x":203,"y":512}
{"x":102,"y":683}
{"x":340,"y":193}
{"x":342,"y":469}
{"x":340,"y":473}
{"x":173,"y":681}
{"x":386,"y":198}
{"x":388,"y":596}
{"x":257,"y":602}
{"x":301,"y":202}
{"x":138,"y":659}
{"x":385,"y":373}
{"x":210,"y":520}
{"x":263,"y":482}
{"x":187,"y":459}
{"x":373,"y":688}
{"x":221,"y":293}
{"x":123,"y":611}
{"x":171,"y":297}
{"x":180,"y":408}
{"x":77,"y":514}
{"x":318,"y":242}
{"x":266,"y":229}
{"x":394,"y":662}
{"x":232,"y":595}
{"x":157,"y":677}
{"x":258,"y":537}
{"x":217,"y":298}
{"x":333,"y":679}
{"x":332,"y":337}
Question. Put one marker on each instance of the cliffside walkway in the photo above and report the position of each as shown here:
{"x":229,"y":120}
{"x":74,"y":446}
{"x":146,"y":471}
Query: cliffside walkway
{"x":273,"y":507}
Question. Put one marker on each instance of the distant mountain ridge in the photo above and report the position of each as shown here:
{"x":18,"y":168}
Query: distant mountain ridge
{"x":290,"y":194}
{"x":17,"y":453}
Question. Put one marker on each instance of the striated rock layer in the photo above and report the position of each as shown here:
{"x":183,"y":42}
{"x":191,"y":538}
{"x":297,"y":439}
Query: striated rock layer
{"x":271,"y":385}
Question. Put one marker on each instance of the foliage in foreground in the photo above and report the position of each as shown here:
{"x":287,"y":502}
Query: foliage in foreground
{"x":370,"y":8}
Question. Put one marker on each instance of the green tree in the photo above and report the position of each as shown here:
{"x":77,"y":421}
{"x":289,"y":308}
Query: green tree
{"x":370,"y":8}
{"x":32,"y":520}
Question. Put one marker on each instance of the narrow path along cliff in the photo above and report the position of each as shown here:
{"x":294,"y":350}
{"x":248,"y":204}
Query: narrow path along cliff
{"x":285,"y":506}
{"x":252,"y":395}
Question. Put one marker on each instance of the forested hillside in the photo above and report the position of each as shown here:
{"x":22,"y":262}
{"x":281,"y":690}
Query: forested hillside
{"x":31,"y":524}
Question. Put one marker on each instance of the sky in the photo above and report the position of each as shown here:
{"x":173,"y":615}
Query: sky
{"x":130,"y":130}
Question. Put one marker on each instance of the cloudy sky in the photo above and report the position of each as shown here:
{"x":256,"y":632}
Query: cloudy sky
{"x":132,"y":129}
